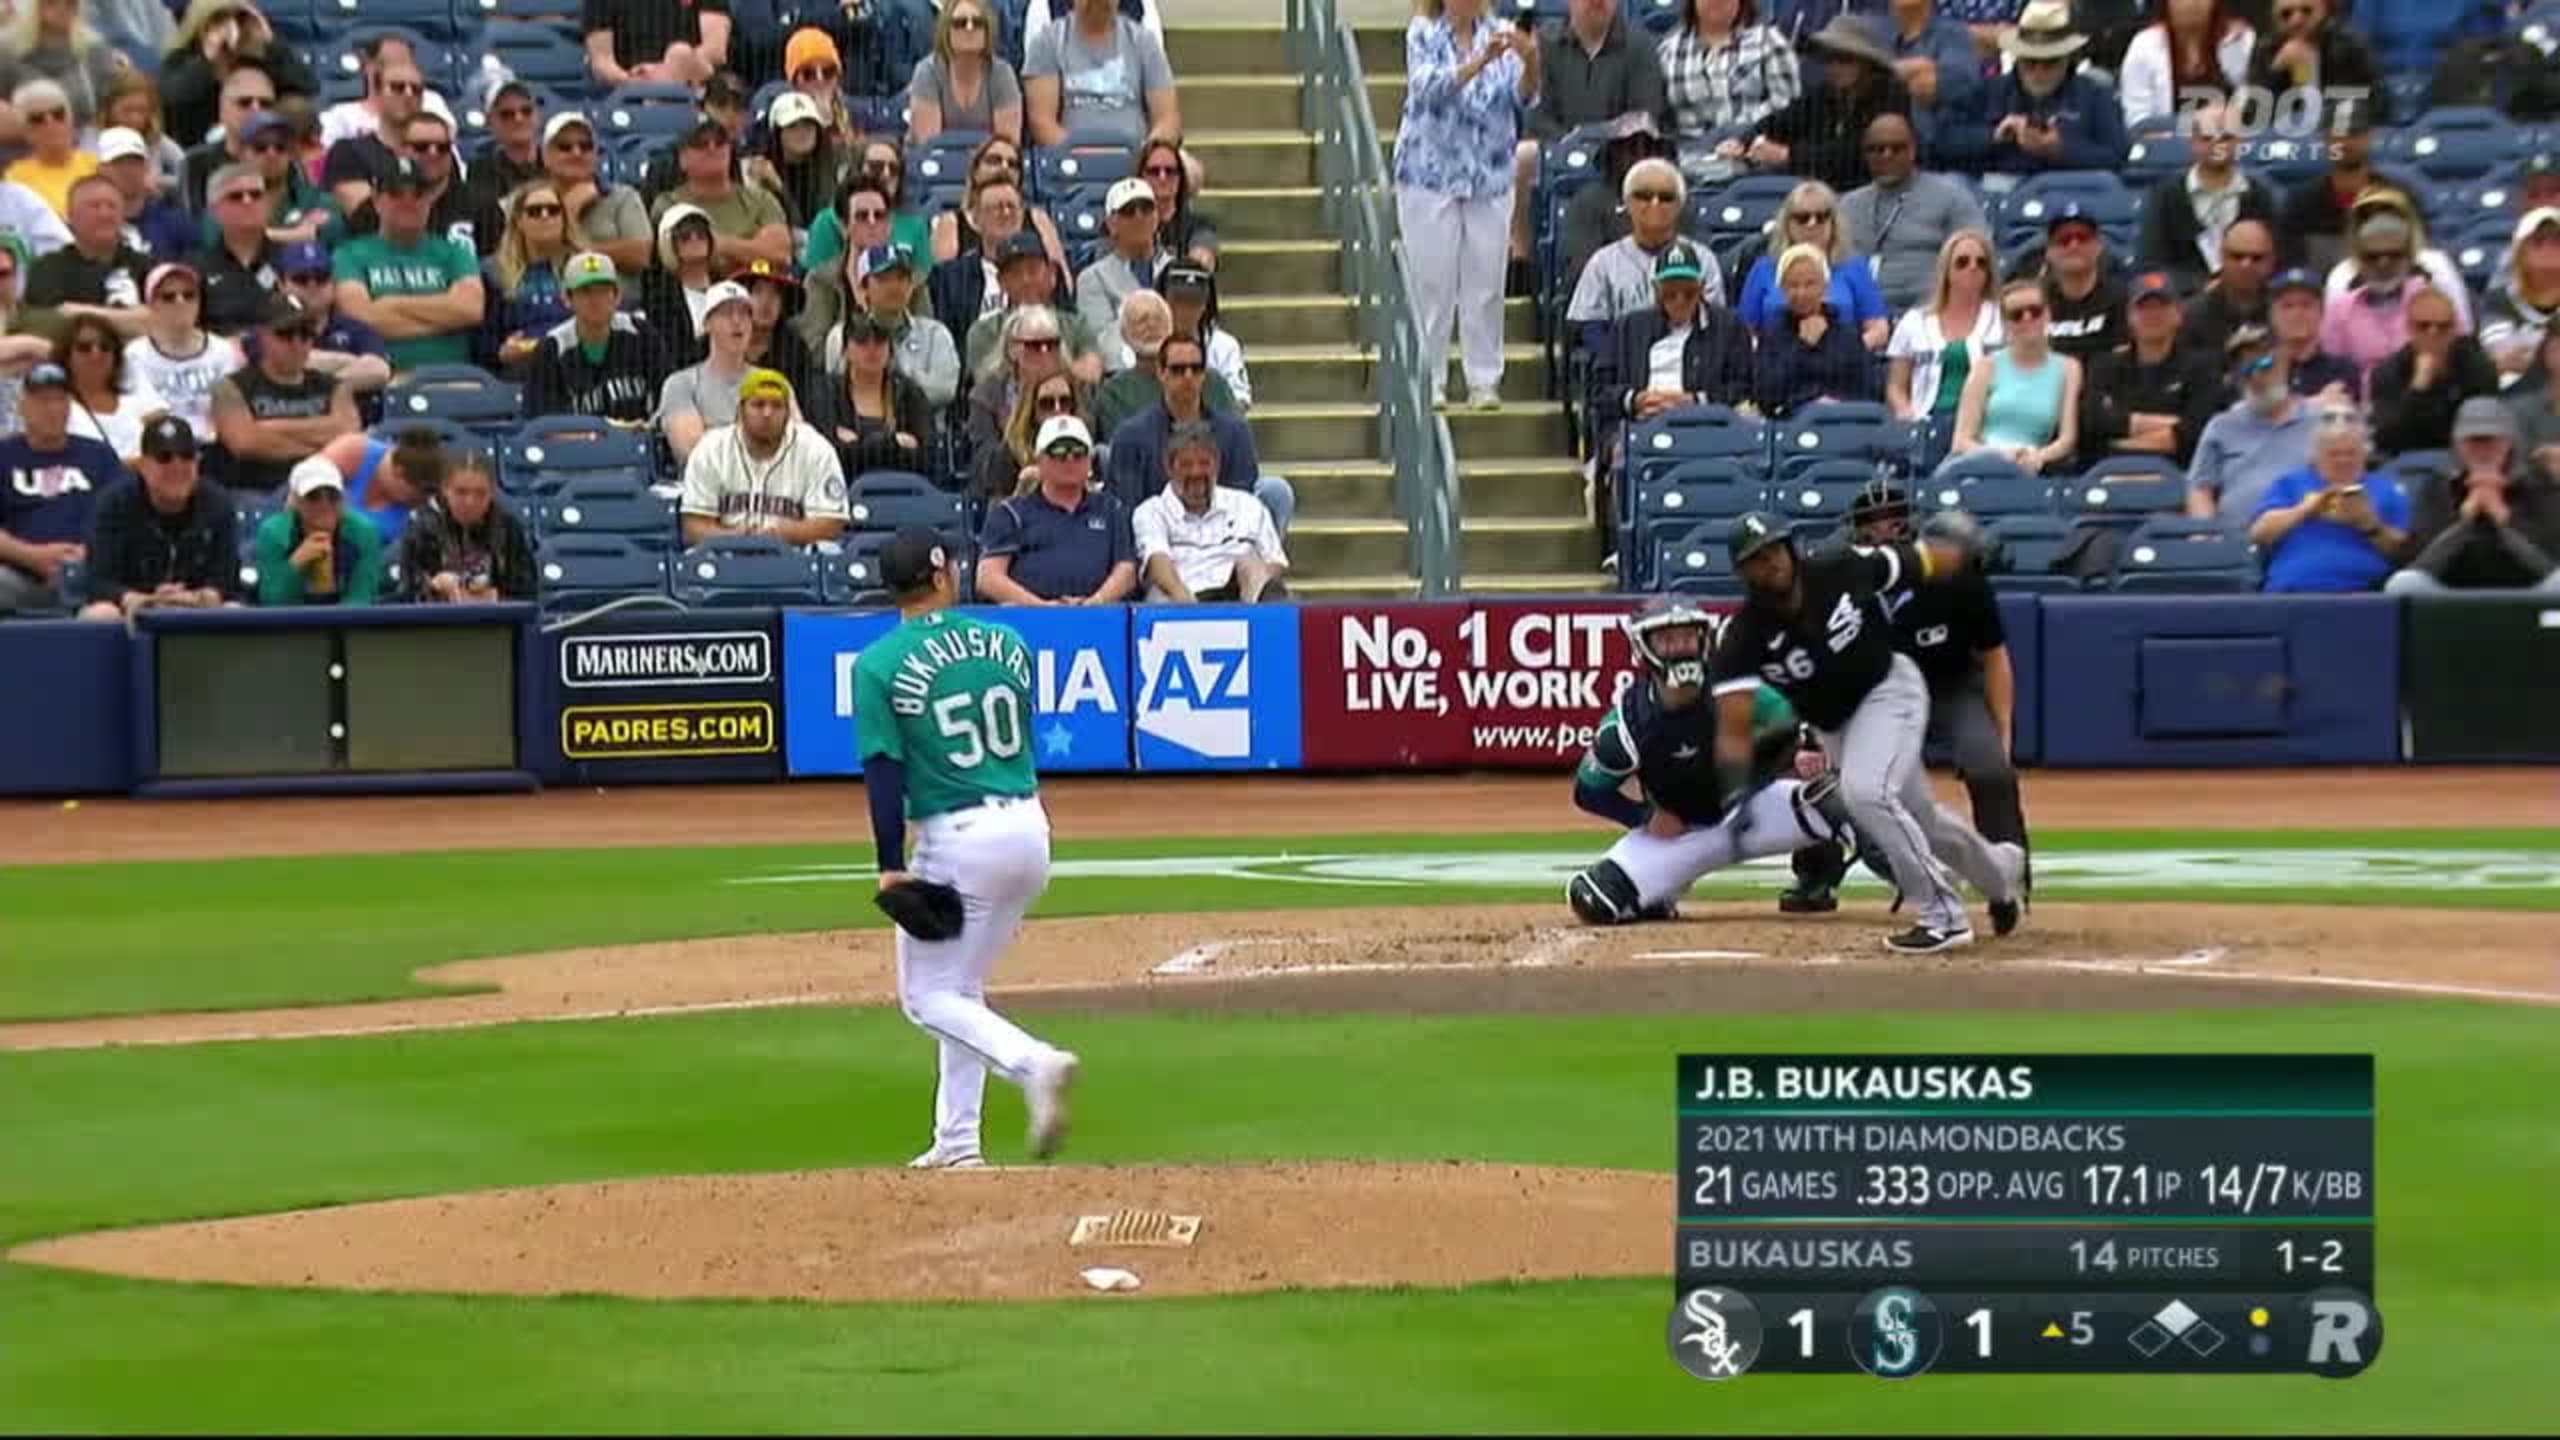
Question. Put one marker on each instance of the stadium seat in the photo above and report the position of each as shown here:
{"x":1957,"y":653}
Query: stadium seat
{"x":739,"y":570}
{"x":2024,"y":212}
{"x":659,"y":111}
{"x":1658,"y":16}
{"x":465,"y":394}
{"x":434,"y":19}
{"x":1996,"y":497}
{"x":474,"y":114}
{"x":944,"y":159}
{"x":888,"y":499}
{"x":1060,"y":169}
{"x":2414,"y":470}
{"x":2154,"y":158}
{"x":1817,"y":500}
{"x":1694,"y":491}
{"x":1744,"y":206}
{"x":604,"y":502}
{"x":2027,"y":547}
{"x":564,"y":16}
{"x":1697,"y":563}
{"x":2174,"y":552}
{"x":2123,"y":491}
{"x":293,"y":22}
{"x":2480,"y":248}
{"x":1843,"y":430}
{"x":550,"y":450}
{"x":436,"y":60}
{"x":851,"y":576}
{"x":537,"y":54}
{"x":582,"y":571}
{"x":2456,"y":144}
{"x":452,"y":436}
{"x":1696,"y":432}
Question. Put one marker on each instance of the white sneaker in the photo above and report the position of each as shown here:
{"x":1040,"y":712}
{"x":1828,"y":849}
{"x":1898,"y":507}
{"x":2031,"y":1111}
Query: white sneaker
{"x":938,"y":1158}
{"x":1484,"y":397}
{"x":1045,"y":1092}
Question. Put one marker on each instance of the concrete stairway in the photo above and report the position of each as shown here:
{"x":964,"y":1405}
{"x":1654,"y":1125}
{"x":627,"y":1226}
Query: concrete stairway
{"x":1313,"y":418}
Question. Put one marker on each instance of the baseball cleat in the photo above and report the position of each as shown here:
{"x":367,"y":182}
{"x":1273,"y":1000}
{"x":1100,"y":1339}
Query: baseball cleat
{"x":938,"y":1158}
{"x":1807,"y":900}
{"x":1045,"y":1092}
{"x":1924,"y":940}
{"x":2013,"y":868}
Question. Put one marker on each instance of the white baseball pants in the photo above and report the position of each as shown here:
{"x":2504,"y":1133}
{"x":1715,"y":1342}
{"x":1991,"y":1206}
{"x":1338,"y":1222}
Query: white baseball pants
{"x":997,"y":856}
{"x":1664,"y":869}
{"x":1887,"y":790}
{"x":1457,"y":254}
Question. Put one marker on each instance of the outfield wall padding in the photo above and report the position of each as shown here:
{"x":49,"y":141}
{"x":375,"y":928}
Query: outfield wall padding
{"x":66,"y":726}
{"x":2196,"y":680}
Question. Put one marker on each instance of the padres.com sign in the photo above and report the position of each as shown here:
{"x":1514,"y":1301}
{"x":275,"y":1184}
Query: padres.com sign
{"x":670,"y":698}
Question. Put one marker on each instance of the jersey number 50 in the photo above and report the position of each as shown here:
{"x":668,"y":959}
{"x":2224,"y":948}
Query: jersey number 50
{"x":995,"y":730}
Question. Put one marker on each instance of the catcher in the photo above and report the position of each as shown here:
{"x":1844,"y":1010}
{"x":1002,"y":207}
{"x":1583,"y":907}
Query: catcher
{"x":1661,"y":734}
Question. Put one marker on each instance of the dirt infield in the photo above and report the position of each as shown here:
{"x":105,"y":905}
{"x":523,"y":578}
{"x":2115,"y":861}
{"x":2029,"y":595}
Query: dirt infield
{"x":1095,"y":807}
{"x":1734,"y":956}
{"x":996,"y":1234}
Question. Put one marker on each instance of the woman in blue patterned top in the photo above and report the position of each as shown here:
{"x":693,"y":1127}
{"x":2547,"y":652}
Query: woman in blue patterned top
{"x":1467,"y":77}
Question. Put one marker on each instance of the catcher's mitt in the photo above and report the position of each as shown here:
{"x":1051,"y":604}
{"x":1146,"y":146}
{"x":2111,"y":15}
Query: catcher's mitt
{"x":925,"y":909}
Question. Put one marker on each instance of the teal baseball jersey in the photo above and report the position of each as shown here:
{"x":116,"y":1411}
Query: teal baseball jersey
{"x":949,"y":697}
{"x":1672,"y":752}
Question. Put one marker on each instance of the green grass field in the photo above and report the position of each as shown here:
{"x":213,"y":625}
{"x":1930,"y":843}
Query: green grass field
{"x":2468,"y":1151}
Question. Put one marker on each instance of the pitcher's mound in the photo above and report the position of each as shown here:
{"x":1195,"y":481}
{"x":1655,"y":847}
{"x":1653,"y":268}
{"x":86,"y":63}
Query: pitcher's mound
{"x":995,"y":1234}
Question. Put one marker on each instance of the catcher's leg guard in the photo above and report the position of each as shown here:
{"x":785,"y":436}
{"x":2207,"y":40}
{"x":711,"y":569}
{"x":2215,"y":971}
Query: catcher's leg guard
{"x":1604,"y":895}
{"x":1822,"y":865}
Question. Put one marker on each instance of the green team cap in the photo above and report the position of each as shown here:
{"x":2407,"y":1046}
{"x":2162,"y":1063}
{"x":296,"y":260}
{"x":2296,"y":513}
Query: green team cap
{"x":589,"y":267}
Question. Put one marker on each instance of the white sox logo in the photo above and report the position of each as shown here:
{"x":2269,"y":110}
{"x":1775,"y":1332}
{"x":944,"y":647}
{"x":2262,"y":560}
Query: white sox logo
{"x":1844,"y":624}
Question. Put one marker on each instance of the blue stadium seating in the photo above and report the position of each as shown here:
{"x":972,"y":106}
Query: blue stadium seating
{"x":2024,"y":212}
{"x":1830,"y":430}
{"x":1693,"y":492}
{"x":1743,"y":206}
{"x":1994,"y":497}
{"x":944,"y":159}
{"x":887,"y":499}
{"x":434,"y":19}
{"x":2413,"y":470}
{"x":1059,"y":169}
{"x":1696,"y":432}
{"x":537,"y":54}
{"x":2454,"y":144}
{"x":465,"y":394}
{"x":747,"y":570}
{"x":567,"y":444}
{"x":2173,"y":552}
{"x":2123,"y":490}
{"x":851,"y":576}
{"x":1659,"y":16}
{"x":2028,"y":545}
{"x":581,"y":571}
{"x":436,"y":60}
{"x":565,"y":16}
{"x":604,"y":502}
{"x":659,"y":111}
{"x":293,"y":22}
{"x":2286,"y":160}
{"x":1697,"y":563}
{"x":2153,"y":158}
{"x":1818,"y":503}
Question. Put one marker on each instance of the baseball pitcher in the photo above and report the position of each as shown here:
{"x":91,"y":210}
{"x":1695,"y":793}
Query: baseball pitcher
{"x":1690,"y":822}
{"x":943,"y":704}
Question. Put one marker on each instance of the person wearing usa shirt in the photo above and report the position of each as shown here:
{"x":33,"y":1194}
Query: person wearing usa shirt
{"x":1467,"y":76}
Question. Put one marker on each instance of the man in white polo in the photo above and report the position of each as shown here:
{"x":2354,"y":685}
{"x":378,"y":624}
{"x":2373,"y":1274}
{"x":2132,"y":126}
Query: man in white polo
{"x":1199,"y":540}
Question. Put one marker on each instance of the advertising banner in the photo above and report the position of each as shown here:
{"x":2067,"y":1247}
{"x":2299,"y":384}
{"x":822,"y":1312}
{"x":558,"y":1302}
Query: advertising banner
{"x":1217,"y":687}
{"x":668,"y":697}
{"x":1081,"y":696}
{"x":1378,"y":686}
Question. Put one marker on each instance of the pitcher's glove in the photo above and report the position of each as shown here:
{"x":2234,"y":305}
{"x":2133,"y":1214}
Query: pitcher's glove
{"x":925,"y":909}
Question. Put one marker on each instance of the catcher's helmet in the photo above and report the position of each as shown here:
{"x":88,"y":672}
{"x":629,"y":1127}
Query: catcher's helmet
{"x":1880,"y":498}
{"x":1755,"y":532}
{"x":1671,"y":612}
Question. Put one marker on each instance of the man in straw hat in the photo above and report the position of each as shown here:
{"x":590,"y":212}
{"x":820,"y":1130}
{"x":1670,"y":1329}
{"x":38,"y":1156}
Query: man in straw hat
{"x":2040,"y":116}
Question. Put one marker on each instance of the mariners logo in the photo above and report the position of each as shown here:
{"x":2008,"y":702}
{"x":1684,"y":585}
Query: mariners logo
{"x":1895,"y":1333}
{"x":1715,"y":1333}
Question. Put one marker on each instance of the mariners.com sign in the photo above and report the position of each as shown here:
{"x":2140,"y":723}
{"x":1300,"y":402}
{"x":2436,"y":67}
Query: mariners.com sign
{"x":669,"y":694}
{"x":725,"y":657}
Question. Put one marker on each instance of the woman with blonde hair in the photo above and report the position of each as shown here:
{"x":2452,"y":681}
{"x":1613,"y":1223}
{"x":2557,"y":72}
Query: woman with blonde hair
{"x":1809,"y":353}
{"x":214,"y":38}
{"x":964,"y":84}
{"x":524,"y":272}
{"x":1812,"y":217}
{"x":1033,"y":348}
{"x":109,"y":403}
{"x":2025,"y":404}
{"x":52,"y":40}
{"x":133,"y":103}
{"x":1936,"y":346}
{"x":1007,"y":467}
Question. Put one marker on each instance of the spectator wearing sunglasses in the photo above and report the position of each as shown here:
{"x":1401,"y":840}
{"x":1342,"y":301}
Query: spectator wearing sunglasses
{"x":876,"y":416}
{"x":2265,"y":433}
{"x":1181,"y":228}
{"x":1009,"y":466}
{"x":1618,"y":280}
{"x":655,"y":40}
{"x":1821,"y":133}
{"x":363,"y":116}
{"x":610,"y":219}
{"x":297,"y":209}
{"x":2025,"y":403}
{"x":52,"y":40}
{"x":213,"y":41}
{"x":422,"y":290}
{"x":2418,"y":390}
{"x":276,"y":410}
{"x":964,"y":84}
{"x":799,"y":160}
{"x":512,"y":154}
{"x":1130,"y":264}
{"x":1812,"y":217}
{"x":1065,"y":542}
{"x":747,"y":221}
{"x":247,"y":91}
{"x":724,"y":104}
{"x":2151,"y":395}
{"x":2369,"y":321}
{"x":98,"y":274}
{"x":153,"y":221}
{"x":814,"y":68}
{"x":1138,"y":446}
{"x":2239,"y":295}
{"x":452,"y":211}
{"x":1904,"y":216}
{"x":523,"y":278}
{"x":239,"y":268}
{"x":922,"y":350}
{"x":1146,"y":322}
{"x":866,"y":209}
{"x":356,"y":164}
{"x":342,"y":347}
{"x":1935,"y":346}
{"x":54,"y":159}
{"x":2042,"y":115}
{"x":1025,"y":275}
{"x":174,"y":355}
{"x":2309,"y":49}
{"x":980,"y":226}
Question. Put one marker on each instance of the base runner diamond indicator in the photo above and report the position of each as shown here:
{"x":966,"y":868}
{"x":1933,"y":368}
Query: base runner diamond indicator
{"x":2202,"y":1339}
{"x":2150,"y":1339}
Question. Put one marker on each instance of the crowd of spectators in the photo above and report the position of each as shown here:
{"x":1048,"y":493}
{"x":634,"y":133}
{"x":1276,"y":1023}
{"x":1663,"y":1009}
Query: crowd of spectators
{"x":226,"y":254}
{"x":2235,"y":327}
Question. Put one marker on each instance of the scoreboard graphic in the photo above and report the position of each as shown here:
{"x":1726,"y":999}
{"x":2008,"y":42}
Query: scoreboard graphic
{"x":1902,"y":1214}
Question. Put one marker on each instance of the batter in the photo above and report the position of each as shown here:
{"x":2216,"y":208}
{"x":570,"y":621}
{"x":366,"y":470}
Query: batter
{"x":1815,"y":628}
{"x":942,"y":706}
{"x":1662,"y":736}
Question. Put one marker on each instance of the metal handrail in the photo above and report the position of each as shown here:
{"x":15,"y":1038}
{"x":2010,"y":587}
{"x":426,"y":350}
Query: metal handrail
{"x":1351,"y":175}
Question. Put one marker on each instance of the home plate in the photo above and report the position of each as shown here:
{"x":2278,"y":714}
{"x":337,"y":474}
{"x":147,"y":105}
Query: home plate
{"x":1699,"y":955}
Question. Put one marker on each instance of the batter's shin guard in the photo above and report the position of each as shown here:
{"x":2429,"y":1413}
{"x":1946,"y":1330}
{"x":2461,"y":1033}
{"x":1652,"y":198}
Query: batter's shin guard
{"x":1604,"y":895}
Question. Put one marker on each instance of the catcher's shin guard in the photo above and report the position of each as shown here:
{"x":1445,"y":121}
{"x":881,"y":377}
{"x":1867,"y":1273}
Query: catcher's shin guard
{"x":1604,"y":895}
{"x":1822,"y":865}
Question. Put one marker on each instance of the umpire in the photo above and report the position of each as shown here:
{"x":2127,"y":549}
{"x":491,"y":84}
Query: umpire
{"x":1953,"y":632}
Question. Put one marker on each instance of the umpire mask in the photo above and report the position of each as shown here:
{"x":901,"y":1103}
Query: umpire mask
{"x":1672,"y":642}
